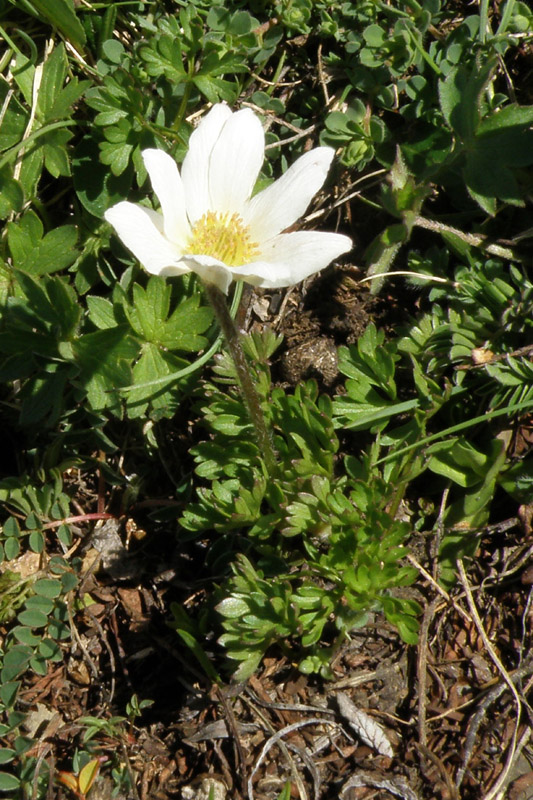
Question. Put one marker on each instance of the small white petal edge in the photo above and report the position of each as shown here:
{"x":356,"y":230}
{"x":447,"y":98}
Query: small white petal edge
{"x":283,"y":202}
{"x":235,"y":162}
{"x":168,"y":186}
{"x":291,"y":257}
{"x":195,"y":167}
{"x":140,"y":230}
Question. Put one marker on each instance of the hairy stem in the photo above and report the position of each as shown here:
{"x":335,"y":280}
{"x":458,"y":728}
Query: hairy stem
{"x":249,"y":393}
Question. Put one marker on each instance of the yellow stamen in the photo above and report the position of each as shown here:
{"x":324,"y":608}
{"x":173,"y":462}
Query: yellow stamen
{"x":225,"y":237}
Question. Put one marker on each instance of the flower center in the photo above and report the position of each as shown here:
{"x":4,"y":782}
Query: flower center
{"x":223,"y":236}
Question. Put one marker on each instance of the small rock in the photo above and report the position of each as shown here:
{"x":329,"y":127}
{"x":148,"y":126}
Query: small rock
{"x":207,"y":789}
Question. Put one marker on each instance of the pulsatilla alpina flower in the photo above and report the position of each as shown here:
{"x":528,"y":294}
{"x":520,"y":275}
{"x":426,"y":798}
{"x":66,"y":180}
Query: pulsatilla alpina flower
{"x":209,"y":222}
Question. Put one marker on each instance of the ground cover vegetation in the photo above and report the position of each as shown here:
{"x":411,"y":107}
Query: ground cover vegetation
{"x":179,"y":616}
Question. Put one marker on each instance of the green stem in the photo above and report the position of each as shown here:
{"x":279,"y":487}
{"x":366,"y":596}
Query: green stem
{"x":249,"y":393}
{"x":498,"y":412}
{"x":181,"y":373}
{"x":51,"y":126}
{"x":473,"y":239}
{"x":483,"y":20}
{"x":178,"y":122}
{"x":277,"y":73}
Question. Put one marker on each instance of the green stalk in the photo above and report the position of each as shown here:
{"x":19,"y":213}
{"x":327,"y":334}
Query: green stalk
{"x":180,"y":116}
{"x":469,"y":423}
{"x":483,"y":20}
{"x":203,"y":359}
{"x":51,"y":126}
{"x":249,"y":393}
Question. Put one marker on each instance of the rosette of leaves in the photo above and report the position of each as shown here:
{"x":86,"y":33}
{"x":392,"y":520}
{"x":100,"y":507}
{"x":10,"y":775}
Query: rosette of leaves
{"x":321,"y":551}
{"x":357,"y":131}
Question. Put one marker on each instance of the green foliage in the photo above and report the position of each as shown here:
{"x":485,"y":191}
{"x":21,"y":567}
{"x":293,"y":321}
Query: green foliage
{"x":505,"y":135}
{"x":325,"y":547}
{"x":356,"y":132}
{"x":134,"y":342}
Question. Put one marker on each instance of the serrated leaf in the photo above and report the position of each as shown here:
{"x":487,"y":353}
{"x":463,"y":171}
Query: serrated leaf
{"x":116,"y":155}
{"x":150,"y":308}
{"x":460,"y":97}
{"x":67,"y":97}
{"x":216,"y":89}
{"x":164,"y":57}
{"x":56,"y":157}
{"x":30,"y":170}
{"x":15,"y":117}
{"x":43,"y":396}
{"x":52,"y":300}
{"x":101,"y":312}
{"x":24,"y":76}
{"x":11,"y":195}
{"x":104,"y":359}
{"x":182,"y":331}
{"x":96,"y":186}
{"x":56,"y":251}
{"x":152,"y":365}
{"x":23,"y":236}
{"x":53,"y":77}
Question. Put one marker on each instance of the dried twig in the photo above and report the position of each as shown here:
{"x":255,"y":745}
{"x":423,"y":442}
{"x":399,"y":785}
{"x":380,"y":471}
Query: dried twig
{"x":344,"y":198}
{"x":394,"y":785}
{"x":439,"y":589}
{"x":485,"y":704}
{"x":495,"y":790}
{"x":276,"y":84}
{"x":322,"y":75}
{"x":85,"y":653}
{"x":110,"y":653}
{"x":311,"y":766}
{"x":232,"y":725}
{"x":421,"y":668}
{"x":290,"y":139}
{"x":276,"y":739}
{"x":451,"y":790}
{"x":364,"y":677}
{"x":473,"y":239}
{"x":282,"y":746}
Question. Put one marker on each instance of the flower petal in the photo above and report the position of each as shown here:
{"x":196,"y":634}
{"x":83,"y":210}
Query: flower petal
{"x":195,"y":167}
{"x":210,"y":270}
{"x":291,"y":257}
{"x":141,"y":231}
{"x":168,"y":186}
{"x":283,"y":202}
{"x":235,"y":162}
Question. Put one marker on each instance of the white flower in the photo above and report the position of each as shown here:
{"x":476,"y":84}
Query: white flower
{"x":209,"y":222}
